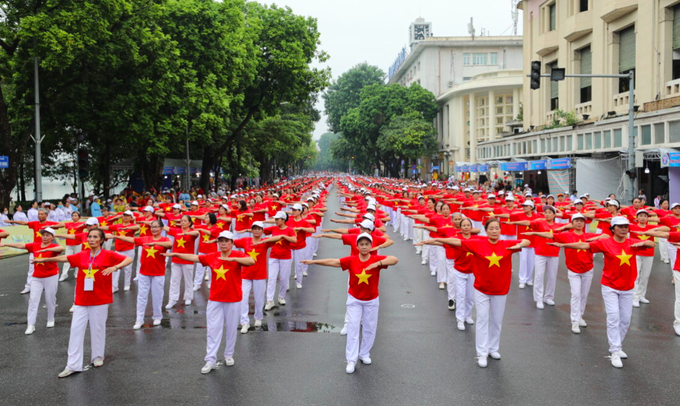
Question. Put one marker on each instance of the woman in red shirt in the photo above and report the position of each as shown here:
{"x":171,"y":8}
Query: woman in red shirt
{"x":255,"y":276}
{"x":94,"y":293}
{"x":224,"y":304}
{"x":207,"y":244}
{"x":243,"y":218}
{"x":671,"y":223}
{"x":302,"y":228}
{"x":661,"y":212}
{"x":151,"y":275}
{"x":492,"y":267}
{"x":72,"y":246}
{"x":645,"y":258}
{"x":184,"y":243}
{"x":127,"y":228}
{"x":45,"y":276}
{"x":363,"y":300}
{"x":280,"y":259}
{"x":618,"y":280}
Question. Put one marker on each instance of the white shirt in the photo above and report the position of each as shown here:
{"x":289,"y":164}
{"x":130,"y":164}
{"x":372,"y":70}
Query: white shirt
{"x":20,"y":216}
{"x":32,"y":214}
{"x":3,"y":220}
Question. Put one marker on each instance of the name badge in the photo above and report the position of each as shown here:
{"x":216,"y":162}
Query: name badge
{"x":89,"y":284}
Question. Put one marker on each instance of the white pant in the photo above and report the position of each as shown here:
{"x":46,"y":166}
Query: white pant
{"x":580,"y":286}
{"x":37,"y":286}
{"x":546,"y":268}
{"x":70,"y":250}
{"x":217,"y":315}
{"x":177,"y":271}
{"x":672,"y":254}
{"x":450,"y":279}
{"x":139,"y":260}
{"x":619,"y":307}
{"x":300,"y":268}
{"x":144,"y":284}
{"x":278,"y":269}
{"x":490,"y":309}
{"x":432,"y":258}
{"x":480,"y":226}
{"x":29,"y":277}
{"x":418,"y":237}
{"x":126,"y":269}
{"x":361,"y":314}
{"x":442,"y":272}
{"x":200,"y":274}
{"x":663,"y":250}
{"x":526,"y":264}
{"x":395,"y":219}
{"x":465,"y":294}
{"x":96,"y":317}
{"x":644,"y":268}
{"x":676,"y":278}
{"x":426,"y":248}
{"x":259,"y":287}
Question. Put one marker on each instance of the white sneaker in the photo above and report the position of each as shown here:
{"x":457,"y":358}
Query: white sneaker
{"x":258,"y":323}
{"x":244,"y":328}
{"x":30,"y":330}
{"x":423,"y":262}
{"x":582,"y":323}
{"x":636,"y":303}
{"x":522,"y":285}
{"x":495,"y":355}
{"x":72,"y":309}
{"x":115,"y":290}
{"x":229,"y":361}
{"x":433,"y":273}
{"x":187,"y":302}
{"x":575,"y":328}
{"x":207,"y":277}
{"x":170,"y":305}
{"x":134,"y":279}
{"x":126,"y":288}
{"x":196,"y":288}
{"x":137,"y":325}
{"x":616,"y":361}
{"x":461,"y":325}
{"x":677,"y":330}
{"x":350,"y":367}
{"x":26,"y":290}
{"x":366,"y":360}
{"x":269,"y":306}
{"x":315,"y":254}
{"x":282,"y":301}
{"x":644,"y":300}
{"x":530,"y":283}
{"x":343,"y":332}
{"x":442,"y":286}
{"x":623,"y":355}
{"x":66,"y":372}
{"x":209,"y":366}
{"x":298,"y":285}
{"x":63,"y":277}
{"x":482,"y":362}
{"x":549,"y":302}
{"x":157,"y":322}
{"x":469,"y":321}
{"x":539,"y":305}
{"x":304,"y":274}
{"x":50,"y":324}
{"x":452,"y":305}
{"x":288,"y":288}
{"x":98,"y":362}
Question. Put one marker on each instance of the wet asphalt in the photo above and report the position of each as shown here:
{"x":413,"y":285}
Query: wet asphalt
{"x":298,"y":357}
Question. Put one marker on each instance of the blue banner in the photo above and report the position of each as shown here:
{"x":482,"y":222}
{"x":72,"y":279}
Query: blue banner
{"x":670,"y":160}
{"x":465,"y":168}
{"x":514,"y":166}
{"x":483,"y":168}
{"x":4,"y":161}
{"x":168,"y":170}
{"x":474,"y":168}
{"x":561,"y":163}
{"x":537,"y":165}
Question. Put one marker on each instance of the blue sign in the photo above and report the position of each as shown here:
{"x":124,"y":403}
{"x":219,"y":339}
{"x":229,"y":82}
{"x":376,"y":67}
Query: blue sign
{"x":459,"y":169}
{"x":397,"y":63}
{"x":537,"y":165}
{"x":514,"y":166}
{"x":671,"y":159}
{"x":561,"y":163}
{"x":4,"y":162}
{"x":168,"y":170}
{"x":483,"y":168}
{"x":474,"y":168}
{"x":465,"y":168}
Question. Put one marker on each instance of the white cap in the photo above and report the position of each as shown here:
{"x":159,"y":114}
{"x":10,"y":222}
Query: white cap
{"x":225,"y":207}
{"x":226,"y":234}
{"x":49,"y":230}
{"x":369,"y":216}
{"x":194,"y":203}
{"x":586,"y":194}
{"x":583,"y":197}
{"x":477,"y":191}
{"x":177,"y":206}
{"x":674,"y":205}
{"x":367,"y":224}
{"x":149,"y":209}
{"x":258,"y":224}
{"x":528,"y":203}
{"x":527,"y":194}
{"x":370,"y":207}
{"x":297,"y":206}
{"x":128,"y":213}
{"x":619,"y":221}
{"x":199,"y":196}
{"x":280,"y":215}
{"x":578,"y":216}
{"x":526,"y":185}
{"x":549,"y":207}
{"x":364,"y":235}
{"x":641,"y":211}
{"x":92,"y":221}
{"x":306,"y":205}
{"x":509,"y":198}
{"x":613,"y":202}
{"x":491,"y":196}
{"x":456,"y":187}
{"x":501,"y":192}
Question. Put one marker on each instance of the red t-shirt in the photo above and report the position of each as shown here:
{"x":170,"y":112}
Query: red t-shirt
{"x":36,"y":226}
{"x":506,"y":229}
{"x":351,"y":240}
{"x":492,"y":264}
{"x":301,"y":235}
{"x":260,"y":216}
{"x":521,"y":216}
{"x":675,"y":237}
{"x":542,"y":247}
{"x":184,"y":244}
{"x":577,"y":261}
{"x":43,"y":269}
{"x":256,"y":252}
{"x":280,"y":249}
{"x":463,"y":260}
{"x":203,"y":246}
{"x":74,"y":228}
{"x":243,"y":221}
{"x":620,"y":266}
{"x":121,"y":230}
{"x":153,"y":263}
{"x":363,"y":285}
{"x":144,"y":230}
{"x":671,"y":222}
{"x":643,"y":251}
{"x":225,"y":284}
{"x":103,"y":290}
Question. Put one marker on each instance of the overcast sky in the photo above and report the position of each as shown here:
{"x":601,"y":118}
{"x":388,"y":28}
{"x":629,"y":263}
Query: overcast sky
{"x":374,"y":31}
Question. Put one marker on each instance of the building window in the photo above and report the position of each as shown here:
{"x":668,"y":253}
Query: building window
{"x":626,"y":56}
{"x":618,"y":138}
{"x":589,"y":141}
{"x":659,"y":133}
{"x":579,"y":142}
{"x":466,"y":59}
{"x":561,"y":144}
{"x":493,"y":58}
{"x":607,"y":139}
{"x":598,"y":140}
{"x":554,"y":89}
{"x":674,"y":131}
{"x":586,"y":69}
{"x":583,"y":5}
{"x":466,"y":79}
{"x":676,"y":42}
{"x":543,"y":149}
{"x":479,"y":59}
{"x":552,"y":10}
{"x":646,"y":135}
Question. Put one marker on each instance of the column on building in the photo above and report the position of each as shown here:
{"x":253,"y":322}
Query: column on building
{"x":515,"y":103}
{"x":492,"y":115}
{"x":472,"y":139}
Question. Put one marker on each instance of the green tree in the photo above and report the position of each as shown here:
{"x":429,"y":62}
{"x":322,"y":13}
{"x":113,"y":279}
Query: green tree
{"x":406,"y":137}
{"x":326,"y":161}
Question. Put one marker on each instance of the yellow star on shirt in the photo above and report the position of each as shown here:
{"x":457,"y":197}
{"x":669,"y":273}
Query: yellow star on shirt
{"x":206,"y":237}
{"x":151,"y":252}
{"x":363,"y":277}
{"x":468,"y":254}
{"x":274,"y":207}
{"x":38,"y":235}
{"x":643,"y":237}
{"x":181,"y":242}
{"x":72,"y":231}
{"x":240,"y":217}
{"x":253,"y":254}
{"x":221,"y":272}
{"x":40,"y":263}
{"x":167,"y":209}
{"x":448,"y":226}
{"x":280,"y":241}
{"x":494,"y":260}
{"x":220,"y":225}
{"x":104,"y":223}
{"x":90,"y":273}
{"x":577,"y":251}
{"x":86,"y":245}
{"x":625,"y":258}
{"x":142,"y":229}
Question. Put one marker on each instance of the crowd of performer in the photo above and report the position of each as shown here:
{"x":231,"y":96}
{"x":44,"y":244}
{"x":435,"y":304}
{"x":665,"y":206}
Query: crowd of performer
{"x":248,"y":242}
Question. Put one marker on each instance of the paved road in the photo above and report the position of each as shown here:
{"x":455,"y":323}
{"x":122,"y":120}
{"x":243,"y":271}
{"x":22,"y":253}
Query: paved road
{"x":298,"y":358}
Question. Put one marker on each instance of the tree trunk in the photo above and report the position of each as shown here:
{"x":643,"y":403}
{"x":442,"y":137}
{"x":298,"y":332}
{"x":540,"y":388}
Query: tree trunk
{"x":22,"y":179}
{"x":11,"y":147}
{"x":209,"y":159}
{"x":106,"y":172}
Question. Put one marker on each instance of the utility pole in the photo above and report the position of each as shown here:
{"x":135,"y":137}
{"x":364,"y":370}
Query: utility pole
{"x":37,"y":138}
{"x":188,"y":175}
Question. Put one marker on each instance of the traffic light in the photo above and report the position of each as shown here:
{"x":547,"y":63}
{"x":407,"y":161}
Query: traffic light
{"x":83,"y":163}
{"x":535,"y":75}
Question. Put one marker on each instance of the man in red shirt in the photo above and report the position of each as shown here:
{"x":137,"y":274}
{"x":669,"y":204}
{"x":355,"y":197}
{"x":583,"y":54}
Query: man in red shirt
{"x":527,"y":257}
